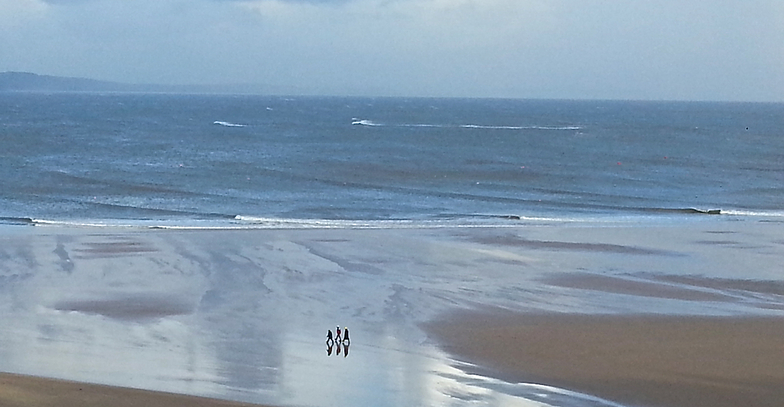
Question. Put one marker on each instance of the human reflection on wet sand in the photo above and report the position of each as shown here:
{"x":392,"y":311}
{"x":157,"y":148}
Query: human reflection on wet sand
{"x":337,"y":344}
{"x":338,"y":347}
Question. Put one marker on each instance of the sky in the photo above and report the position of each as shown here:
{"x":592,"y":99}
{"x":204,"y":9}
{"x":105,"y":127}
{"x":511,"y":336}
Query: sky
{"x":726,"y":50}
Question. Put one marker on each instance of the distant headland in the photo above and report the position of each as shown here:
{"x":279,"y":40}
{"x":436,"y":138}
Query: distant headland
{"x":31,"y":82}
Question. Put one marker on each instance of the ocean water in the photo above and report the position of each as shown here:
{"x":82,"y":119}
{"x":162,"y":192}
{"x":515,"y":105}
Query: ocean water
{"x":255,"y":161}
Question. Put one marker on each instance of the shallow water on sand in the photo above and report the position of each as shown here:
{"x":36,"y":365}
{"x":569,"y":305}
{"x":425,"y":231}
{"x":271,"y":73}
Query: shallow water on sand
{"x":243,"y":314}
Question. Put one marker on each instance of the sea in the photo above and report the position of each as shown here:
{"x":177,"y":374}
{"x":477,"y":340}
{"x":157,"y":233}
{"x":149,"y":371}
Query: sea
{"x":240,"y":161}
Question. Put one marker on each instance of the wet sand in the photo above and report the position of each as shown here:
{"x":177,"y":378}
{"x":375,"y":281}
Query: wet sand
{"x":241,"y":314}
{"x":24,"y":391}
{"x":642,"y":360}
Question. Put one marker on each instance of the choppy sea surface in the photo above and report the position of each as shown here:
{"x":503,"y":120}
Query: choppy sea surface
{"x":253,"y":161}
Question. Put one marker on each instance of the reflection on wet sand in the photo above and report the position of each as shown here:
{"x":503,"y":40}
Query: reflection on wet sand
{"x":231,"y":314}
{"x":338,"y":347}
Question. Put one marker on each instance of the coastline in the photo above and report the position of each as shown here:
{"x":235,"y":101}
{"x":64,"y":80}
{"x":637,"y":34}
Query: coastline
{"x":637,"y":360}
{"x":241,"y":314}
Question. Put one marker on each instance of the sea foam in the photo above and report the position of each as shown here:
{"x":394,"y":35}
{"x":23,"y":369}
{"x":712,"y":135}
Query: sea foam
{"x":227,"y":124}
{"x":366,"y":122}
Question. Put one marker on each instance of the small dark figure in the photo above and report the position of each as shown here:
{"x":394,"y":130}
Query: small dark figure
{"x":329,"y":335}
{"x":345,"y":335}
{"x":337,"y":335}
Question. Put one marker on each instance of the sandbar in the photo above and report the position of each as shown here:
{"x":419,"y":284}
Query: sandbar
{"x":635,"y":360}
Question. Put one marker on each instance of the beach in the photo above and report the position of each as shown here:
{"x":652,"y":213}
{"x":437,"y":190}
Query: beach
{"x":19,"y":391}
{"x":655,"y":315}
{"x":638,"y":360}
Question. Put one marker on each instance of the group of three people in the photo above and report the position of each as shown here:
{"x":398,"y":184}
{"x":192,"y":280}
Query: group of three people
{"x":339,"y":336}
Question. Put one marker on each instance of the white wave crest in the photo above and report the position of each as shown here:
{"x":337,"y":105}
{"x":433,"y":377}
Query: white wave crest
{"x":479,"y":126}
{"x":761,"y":214}
{"x":490,"y":127}
{"x":555,"y":127}
{"x":365,"y":122}
{"x":78,"y":223}
{"x":362,"y":122}
{"x":421,"y":125}
{"x":292,"y":223}
{"x":227,"y":124}
{"x":191,"y":224}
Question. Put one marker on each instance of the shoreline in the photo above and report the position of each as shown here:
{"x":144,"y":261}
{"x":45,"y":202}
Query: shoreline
{"x":637,"y":360}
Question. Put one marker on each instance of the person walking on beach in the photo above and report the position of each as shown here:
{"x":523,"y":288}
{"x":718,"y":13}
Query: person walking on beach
{"x":329,"y":335}
{"x":337,"y":330}
{"x":345,"y":335}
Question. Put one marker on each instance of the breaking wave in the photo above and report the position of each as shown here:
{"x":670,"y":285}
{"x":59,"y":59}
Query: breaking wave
{"x":359,"y":122}
{"x":227,"y":124}
{"x":7,"y":220}
{"x":478,"y":126}
{"x":766,"y":214}
{"x":240,"y":222}
{"x":365,"y":122}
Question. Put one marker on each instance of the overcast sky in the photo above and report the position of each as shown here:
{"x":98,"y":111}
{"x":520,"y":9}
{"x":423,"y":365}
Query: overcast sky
{"x":611,"y":49}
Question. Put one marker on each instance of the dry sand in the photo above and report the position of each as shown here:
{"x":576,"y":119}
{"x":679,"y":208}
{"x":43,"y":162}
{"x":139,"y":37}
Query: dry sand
{"x":666,"y":361}
{"x":24,"y":391}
